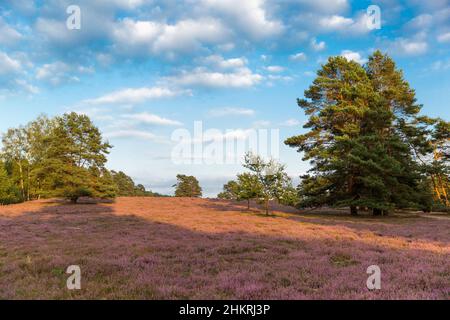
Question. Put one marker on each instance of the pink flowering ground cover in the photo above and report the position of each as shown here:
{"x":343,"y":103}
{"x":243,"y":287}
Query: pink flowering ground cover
{"x":176,"y":248}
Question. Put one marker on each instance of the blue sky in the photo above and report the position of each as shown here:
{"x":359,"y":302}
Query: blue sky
{"x":143,"y":69}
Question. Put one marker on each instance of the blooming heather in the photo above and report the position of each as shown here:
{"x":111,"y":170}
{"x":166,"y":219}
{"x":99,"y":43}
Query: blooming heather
{"x":179,"y":248}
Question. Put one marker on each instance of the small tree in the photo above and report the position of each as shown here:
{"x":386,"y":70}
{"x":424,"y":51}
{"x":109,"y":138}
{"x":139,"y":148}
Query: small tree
{"x":187,"y":186}
{"x":230,"y":191}
{"x":270,"y":176}
{"x":248,"y":188}
{"x":289,"y":196}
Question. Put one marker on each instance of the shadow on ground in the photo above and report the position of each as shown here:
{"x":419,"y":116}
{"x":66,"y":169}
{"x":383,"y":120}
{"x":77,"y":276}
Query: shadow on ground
{"x":129,"y":256}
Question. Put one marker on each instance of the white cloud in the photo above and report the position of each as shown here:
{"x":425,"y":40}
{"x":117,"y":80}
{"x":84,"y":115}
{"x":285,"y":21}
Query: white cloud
{"x":26,"y":86}
{"x":335,"y":22}
{"x":125,"y":4}
{"x":237,"y":134}
{"x":104,"y":59}
{"x":152,"y":119}
{"x":149,"y":37}
{"x":346,"y":26}
{"x":444,"y":37}
{"x":8,"y":65}
{"x":134,"y":95}
{"x":420,"y":22}
{"x":261,"y":124}
{"x":255,"y":22}
{"x":317,"y":46}
{"x":59,"y":72}
{"x":202,"y":77}
{"x":277,"y":77}
{"x":291,"y":123}
{"x":324,"y":6}
{"x":53,"y":30}
{"x":221,"y":63}
{"x":441,"y":65}
{"x":353,"y":56}
{"x":275,"y":69}
{"x":140,"y":134}
{"x":298,"y":57}
{"x":217,"y":72}
{"x":11,"y":68}
{"x":54,"y":73}
{"x":215,"y":135}
{"x":409,"y":47}
{"x":100,"y":114}
{"x":8,"y":35}
{"x":221,"y":112}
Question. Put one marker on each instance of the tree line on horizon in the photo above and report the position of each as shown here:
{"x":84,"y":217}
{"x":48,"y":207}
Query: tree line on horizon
{"x":64,"y":156}
{"x":368,"y":145}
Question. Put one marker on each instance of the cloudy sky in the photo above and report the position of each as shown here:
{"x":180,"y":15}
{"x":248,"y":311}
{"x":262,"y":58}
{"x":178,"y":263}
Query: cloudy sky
{"x":147,"y":70}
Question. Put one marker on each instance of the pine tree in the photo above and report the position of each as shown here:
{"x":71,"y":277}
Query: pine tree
{"x":439,"y":168}
{"x":336,"y":103}
{"x":362,"y":124}
{"x":125,"y":185}
{"x":76,"y":151}
{"x":187,"y":186}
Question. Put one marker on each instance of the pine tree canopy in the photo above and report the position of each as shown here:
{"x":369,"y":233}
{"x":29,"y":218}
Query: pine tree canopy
{"x":364,"y":138}
{"x":187,"y":186}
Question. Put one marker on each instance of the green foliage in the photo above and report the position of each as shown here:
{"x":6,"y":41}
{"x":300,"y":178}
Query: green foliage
{"x":266,"y":180}
{"x":230,"y":191}
{"x":9,"y":193}
{"x":187,"y":186}
{"x":272,"y":180}
{"x":364,"y":137}
{"x":127,"y":188}
{"x":74,"y":193}
{"x":125,"y":185}
{"x":75,"y":155}
{"x":60,"y":157}
{"x":104,"y":186}
{"x":248,"y":187}
{"x":289,"y":197}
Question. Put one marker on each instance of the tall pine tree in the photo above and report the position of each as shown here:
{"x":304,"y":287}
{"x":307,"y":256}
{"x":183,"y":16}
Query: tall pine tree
{"x":359,"y":139}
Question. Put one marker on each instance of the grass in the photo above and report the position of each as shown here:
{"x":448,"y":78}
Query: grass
{"x":175,"y":248}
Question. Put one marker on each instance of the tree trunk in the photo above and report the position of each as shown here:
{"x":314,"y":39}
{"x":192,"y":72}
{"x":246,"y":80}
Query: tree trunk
{"x":248,"y":204}
{"x":377,"y":212}
{"x":28,"y":183}
{"x":444,"y":192}
{"x":354,"y":210}
{"x":22,"y":184}
{"x":266,"y":202}
{"x":39,"y":189}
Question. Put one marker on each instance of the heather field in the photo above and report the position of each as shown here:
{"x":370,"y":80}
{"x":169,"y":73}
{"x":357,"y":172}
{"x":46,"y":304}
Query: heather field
{"x":179,"y":248}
